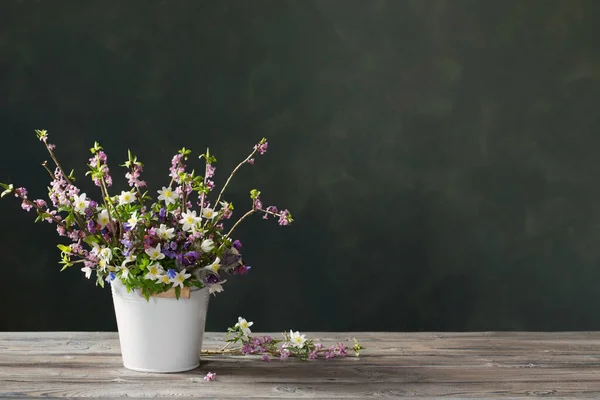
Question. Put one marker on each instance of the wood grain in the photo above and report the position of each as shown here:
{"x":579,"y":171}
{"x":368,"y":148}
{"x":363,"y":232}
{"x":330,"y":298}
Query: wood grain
{"x":394,"y":365}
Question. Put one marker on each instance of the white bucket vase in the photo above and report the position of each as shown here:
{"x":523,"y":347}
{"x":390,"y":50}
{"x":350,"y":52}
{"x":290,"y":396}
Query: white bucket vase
{"x":160,"y":334}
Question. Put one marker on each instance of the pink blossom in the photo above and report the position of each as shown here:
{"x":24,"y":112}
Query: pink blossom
{"x":26,"y":205}
{"x":262,"y":148}
{"x":40,"y":203}
{"x":265,"y":357}
{"x":210,"y":171}
{"x":283,"y":218}
{"x":285,"y":353}
{"x":211,"y":376}
{"x":251,"y":161}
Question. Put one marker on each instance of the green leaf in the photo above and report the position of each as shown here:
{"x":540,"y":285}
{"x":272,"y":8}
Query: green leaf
{"x":254,"y":194}
{"x":9,"y":189}
{"x":63,"y":248}
{"x":177,"y":292}
{"x":41,"y":133}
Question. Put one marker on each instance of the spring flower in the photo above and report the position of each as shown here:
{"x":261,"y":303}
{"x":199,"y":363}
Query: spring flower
{"x":130,"y":258}
{"x":211,"y":376}
{"x":296,"y":339}
{"x":171,"y":273}
{"x":244,"y":325}
{"x":165,"y":233}
{"x":216,"y":288}
{"x":207,"y":245}
{"x":126,"y":198}
{"x":215,"y":266}
{"x":189,"y":220}
{"x":154,"y":253}
{"x":124,"y":272}
{"x":88,"y":272}
{"x":188,"y":258}
{"x":103,"y":219}
{"x":154,"y":272}
{"x":133,"y":220}
{"x":80,"y":203}
{"x":111,"y":276}
{"x":105,"y":254}
{"x":285,"y":218}
{"x":209,"y":213}
{"x":167,"y":195}
{"x":179,"y":278}
{"x":284,"y":353}
{"x":265,"y":357}
{"x":262,"y":147}
{"x":164,"y":279}
{"x":237,"y":245}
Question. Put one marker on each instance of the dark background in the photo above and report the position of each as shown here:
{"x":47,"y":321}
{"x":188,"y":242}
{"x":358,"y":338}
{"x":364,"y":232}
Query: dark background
{"x":441,"y":158}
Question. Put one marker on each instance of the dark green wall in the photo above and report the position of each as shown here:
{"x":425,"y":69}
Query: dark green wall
{"x":441,"y":158}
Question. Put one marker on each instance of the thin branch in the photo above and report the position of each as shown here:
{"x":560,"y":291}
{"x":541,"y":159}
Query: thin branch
{"x":231,"y":176}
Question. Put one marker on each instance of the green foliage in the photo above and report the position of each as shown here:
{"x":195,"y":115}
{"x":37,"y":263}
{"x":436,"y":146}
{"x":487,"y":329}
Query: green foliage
{"x":8,"y":189}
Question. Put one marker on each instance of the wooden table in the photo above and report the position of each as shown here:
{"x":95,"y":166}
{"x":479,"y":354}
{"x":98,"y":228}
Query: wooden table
{"x":459,"y":365}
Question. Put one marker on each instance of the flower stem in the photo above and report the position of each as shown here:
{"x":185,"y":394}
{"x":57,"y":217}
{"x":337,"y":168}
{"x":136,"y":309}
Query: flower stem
{"x":239,"y":221}
{"x":231,"y":176}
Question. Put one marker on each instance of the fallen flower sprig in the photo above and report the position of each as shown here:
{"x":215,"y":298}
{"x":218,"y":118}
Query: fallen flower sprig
{"x":293,"y":344}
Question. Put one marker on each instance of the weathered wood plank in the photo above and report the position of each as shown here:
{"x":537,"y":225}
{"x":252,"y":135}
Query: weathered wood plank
{"x":477,"y":365}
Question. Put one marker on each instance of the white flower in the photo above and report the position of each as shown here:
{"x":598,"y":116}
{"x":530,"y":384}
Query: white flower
{"x":244,"y":326}
{"x":95,"y":249}
{"x":88,"y":272}
{"x":296,"y":339}
{"x":126,"y":198}
{"x":164,"y":279}
{"x":207,"y":245}
{"x":209,"y":213}
{"x":124,"y":272}
{"x":216,"y":288}
{"x":133,"y":220}
{"x":154,"y":253}
{"x":105,"y":254}
{"x":215,"y":266}
{"x":189,"y":220}
{"x":103,"y":265}
{"x":80,"y":203}
{"x":179,"y":278}
{"x":128,"y":259}
{"x":155,"y":271}
{"x":103,"y":218}
{"x":163,"y":233}
{"x":167,"y":195}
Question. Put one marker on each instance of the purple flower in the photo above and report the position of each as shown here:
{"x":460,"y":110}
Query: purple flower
{"x":285,"y":353}
{"x":312,"y":355}
{"x":25,"y":205}
{"x":265,"y":357}
{"x":251,"y":161}
{"x":329,"y":355}
{"x":258,"y":204}
{"x":284,"y":218}
{"x":210,"y":171}
{"x":188,"y":258}
{"x":211,"y":279}
{"x":262,"y":147}
{"x":341,"y":349}
{"x":230,"y":259}
{"x":171,"y":273}
{"x":237,"y":244}
{"x":162,"y":214}
{"x":91,"y":226}
{"x":211,"y":376}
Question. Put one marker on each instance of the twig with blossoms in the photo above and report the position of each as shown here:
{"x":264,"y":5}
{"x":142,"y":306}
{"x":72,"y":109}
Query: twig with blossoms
{"x":293,"y":344}
{"x":164,"y":247}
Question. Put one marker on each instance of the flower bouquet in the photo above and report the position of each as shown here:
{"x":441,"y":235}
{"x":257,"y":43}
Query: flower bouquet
{"x":163,"y":258}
